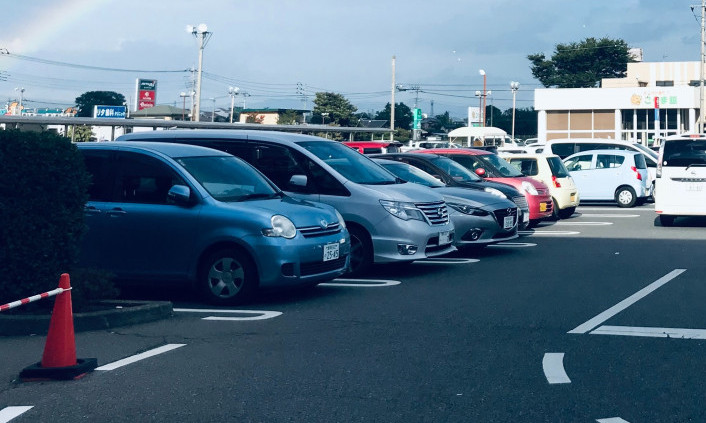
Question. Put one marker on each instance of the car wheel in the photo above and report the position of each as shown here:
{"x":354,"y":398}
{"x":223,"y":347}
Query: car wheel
{"x":556,"y":213}
{"x":533,"y":223}
{"x":361,"y":256}
{"x":567,"y":212}
{"x":666,"y":220}
{"x":625,"y":197}
{"x":227,"y":276}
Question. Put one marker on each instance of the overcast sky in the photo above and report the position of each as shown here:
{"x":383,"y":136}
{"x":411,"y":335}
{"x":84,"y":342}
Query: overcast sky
{"x":268,"y":47}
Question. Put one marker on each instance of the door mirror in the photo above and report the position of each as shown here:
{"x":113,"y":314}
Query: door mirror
{"x":480,"y":172}
{"x":298,"y":180}
{"x":180,"y":195}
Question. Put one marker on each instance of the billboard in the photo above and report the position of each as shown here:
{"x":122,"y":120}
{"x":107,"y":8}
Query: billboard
{"x":114,"y":112}
{"x":146,"y":93}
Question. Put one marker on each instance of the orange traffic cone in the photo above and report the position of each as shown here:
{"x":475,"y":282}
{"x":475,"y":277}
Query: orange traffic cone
{"x":59,"y":359}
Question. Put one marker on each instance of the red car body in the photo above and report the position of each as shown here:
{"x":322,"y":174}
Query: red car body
{"x":497,"y":169}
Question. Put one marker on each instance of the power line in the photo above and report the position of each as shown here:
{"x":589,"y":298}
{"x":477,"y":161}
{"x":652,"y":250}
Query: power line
{"x":5,"y":52}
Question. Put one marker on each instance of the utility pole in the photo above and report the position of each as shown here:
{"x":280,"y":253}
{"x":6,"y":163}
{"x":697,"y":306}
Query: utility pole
{"x":392,"y":102}
{"x":202,"y":35}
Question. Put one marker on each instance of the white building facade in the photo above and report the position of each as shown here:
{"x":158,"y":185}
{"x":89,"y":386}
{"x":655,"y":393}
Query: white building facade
{"x":654,"y":100}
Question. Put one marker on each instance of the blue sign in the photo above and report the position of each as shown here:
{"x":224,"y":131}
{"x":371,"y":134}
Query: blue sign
{"x":113,"y":112}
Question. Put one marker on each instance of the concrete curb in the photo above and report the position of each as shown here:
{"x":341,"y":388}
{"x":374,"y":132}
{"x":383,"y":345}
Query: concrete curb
{"x":117,"y":313}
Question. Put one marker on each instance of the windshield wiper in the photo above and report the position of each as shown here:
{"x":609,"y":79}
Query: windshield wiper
{"x":696,"y":164}
{"x":259,"y":196}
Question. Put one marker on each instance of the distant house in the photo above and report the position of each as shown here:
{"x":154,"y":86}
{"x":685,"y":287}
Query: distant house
{"x":267,"y":116}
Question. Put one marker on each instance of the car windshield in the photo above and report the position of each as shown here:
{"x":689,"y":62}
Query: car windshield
{"x":411,"y":174}
{"x":499,"y":166}
{"x":456,"y":171}
{"x":349,"y":163}
{"x":557,"y":167}
{"x":229,"y":179}
{"x":684,"y":153}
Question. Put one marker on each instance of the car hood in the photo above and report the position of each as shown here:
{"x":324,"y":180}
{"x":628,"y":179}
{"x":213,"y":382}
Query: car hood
{"x":302,"y":213}
{"x":480,"y":199}
{"x":407,"y":192}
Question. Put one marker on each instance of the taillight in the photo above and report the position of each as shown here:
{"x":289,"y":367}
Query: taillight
{"x":555,"y":182}
{"x":634,"y":169}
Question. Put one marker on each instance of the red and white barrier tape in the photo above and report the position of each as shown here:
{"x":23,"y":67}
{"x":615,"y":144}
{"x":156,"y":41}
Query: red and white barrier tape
{"x":33,"y":298}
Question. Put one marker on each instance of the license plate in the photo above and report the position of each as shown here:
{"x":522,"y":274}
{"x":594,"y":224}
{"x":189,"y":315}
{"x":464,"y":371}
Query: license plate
{"x":444,"y":237}
{"x":542,"y":207}
{"x":330,"y":252}
{"x":508,"y":222}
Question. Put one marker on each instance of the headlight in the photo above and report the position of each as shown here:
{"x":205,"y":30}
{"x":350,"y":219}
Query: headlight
{"x":466,"y":209}
{"x":405,"y":211}
{"x":340,"y":219}
{"x":529,"y":188}
{"x":495,"y":192}
{"x":281,"y":226}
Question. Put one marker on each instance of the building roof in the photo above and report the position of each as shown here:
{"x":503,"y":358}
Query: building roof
{"x":159,"y":111}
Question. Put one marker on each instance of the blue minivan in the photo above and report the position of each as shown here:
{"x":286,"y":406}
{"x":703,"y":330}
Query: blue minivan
{"x":160,"y":212}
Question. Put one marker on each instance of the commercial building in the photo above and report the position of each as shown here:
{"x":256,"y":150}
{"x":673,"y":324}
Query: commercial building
{"x":654,"y":100}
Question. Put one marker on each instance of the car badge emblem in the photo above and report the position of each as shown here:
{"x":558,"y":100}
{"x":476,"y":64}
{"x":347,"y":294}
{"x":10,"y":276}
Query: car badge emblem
{"x":323,"y":223}
{"x":440,"y":211}
{"x":509,"y":210}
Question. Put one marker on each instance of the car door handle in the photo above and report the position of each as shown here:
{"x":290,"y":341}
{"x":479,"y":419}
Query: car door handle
{"x":116,"y":212}
{"x":90,"y":210}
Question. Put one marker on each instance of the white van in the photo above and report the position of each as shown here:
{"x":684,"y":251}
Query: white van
{"x":681,"y":178}
{"x":481,"y":136}
{"x":564,"y":147}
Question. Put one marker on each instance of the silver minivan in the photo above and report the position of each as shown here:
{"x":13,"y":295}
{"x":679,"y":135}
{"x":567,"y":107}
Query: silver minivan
{"x":388,"y":219}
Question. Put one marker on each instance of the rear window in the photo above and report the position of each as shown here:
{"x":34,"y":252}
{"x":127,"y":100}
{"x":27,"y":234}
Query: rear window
{"x":640,"y":161}
{"x":557,"y":167}
{"x":526,"y":166}
{"x":684,"y":153}
{"x":563,"y":150}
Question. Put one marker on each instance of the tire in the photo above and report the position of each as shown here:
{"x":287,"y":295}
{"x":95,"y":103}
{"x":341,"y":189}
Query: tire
{"x":556,"y":213}
{"x":533,"y":223}
{"x":361,"y":256}
{"x":666,"y":220}
{"x":227,"y":277}
{"x":567,"y":212}
{"x":625,"y":197}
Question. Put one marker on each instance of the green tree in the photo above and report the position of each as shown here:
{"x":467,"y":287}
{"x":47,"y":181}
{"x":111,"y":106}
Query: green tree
{"x":87,"y":100}
{"x":582,"y":64}
{"x":80,"y":133}
{"x":403,"y":115}
{"x":340,"y":111}
{"x":289,"y":117}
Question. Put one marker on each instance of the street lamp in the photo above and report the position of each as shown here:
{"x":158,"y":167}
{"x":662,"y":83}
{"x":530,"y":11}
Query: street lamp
{"x":201,"y":33}
{"x":183,"y":96}
{"x":21,"y":91}
{"x":232,"y":92}
{"x":213,"y":113}
{"x":514,"y":86}
{"x":323,"y":118}
{"x":485,"y":93}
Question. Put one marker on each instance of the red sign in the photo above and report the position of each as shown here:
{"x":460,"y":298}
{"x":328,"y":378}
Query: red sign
{"x":145,"y":105}
{"x":146,"y":93}
{"x":656,"y":102}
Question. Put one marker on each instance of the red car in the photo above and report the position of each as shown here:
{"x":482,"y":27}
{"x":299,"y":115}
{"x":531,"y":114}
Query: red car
{"x":491,"y":166}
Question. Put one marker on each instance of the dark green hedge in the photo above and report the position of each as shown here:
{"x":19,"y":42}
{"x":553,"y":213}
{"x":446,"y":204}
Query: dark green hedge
{"x":43,"y":189}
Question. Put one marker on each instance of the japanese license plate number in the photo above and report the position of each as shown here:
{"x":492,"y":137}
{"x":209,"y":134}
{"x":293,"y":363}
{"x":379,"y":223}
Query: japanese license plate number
{"x":444,"y":237}
{"x":330,"y":252}
{"x":508,"y":222}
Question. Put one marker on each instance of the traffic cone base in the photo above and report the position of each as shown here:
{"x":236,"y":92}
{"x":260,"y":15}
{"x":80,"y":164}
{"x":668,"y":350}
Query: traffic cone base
{"x":36,"y":372}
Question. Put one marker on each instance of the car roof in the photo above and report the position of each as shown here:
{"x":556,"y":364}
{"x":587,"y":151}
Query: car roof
{"x":529,"y":156}
{"x":223,"y":134}
{"x":607,"y":151}
{"x":466,"y":151}
{"x":167,"y":149}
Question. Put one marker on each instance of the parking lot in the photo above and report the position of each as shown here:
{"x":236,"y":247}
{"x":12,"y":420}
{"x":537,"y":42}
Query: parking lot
{"x":598,"y":317}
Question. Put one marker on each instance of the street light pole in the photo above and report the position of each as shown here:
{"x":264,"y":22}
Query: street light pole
{"x":201,"y":33}
{"x":514,"y":86}
{"x":183,"y":96}
{"x":232,"y":91}
{"x":482,"y":72}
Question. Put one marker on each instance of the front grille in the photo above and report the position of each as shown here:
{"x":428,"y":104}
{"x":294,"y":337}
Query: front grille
{"x":521,"y":202}
{"x":501,"y":214}
{"x":308,"y":269}
{"x":316,"y":231}
{"x":436,"y":212}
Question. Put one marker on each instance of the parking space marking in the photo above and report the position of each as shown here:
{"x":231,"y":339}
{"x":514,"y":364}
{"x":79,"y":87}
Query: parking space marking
{"x":513,"y":245}
{"x":135,"y":358}
{"x":602,"y":317}
{"x":612,"y":420}
{"x":9,"y":413}
{"x":610,"y":215}
{"x":365,"y":283}
{"x":446,"y":261}
{"x":650,"y":332}
{"x":548,"y":233}
{"x":553,"y":365}
{"x":616,"y":209}
{"x":251,"y":314}
{"x":583,"y":223}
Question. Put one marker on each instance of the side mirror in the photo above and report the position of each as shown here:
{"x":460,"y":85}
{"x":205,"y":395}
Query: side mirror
{"x":298,"y":180}
{"x":180,"y":195}
{"x":480,"y":172}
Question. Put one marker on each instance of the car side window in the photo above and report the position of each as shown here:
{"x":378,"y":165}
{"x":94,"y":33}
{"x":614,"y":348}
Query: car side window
{"x":144,"y":179}
{"x":100,"y":166}
{"x":607,"y":161}
{"x":582,"y":162}
{"x":423,"y":166}
{"x":528,"y":167}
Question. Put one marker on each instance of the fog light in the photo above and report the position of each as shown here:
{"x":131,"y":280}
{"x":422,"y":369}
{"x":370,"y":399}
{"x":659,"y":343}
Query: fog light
{"x":288,"y":269}
{"x":407,"y":249}
{"x":475,"y":234}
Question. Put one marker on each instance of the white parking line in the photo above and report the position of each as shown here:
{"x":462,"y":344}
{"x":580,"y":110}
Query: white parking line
{"x":651,"y":332}
{"x":578,"y":223}
{"x":609,"y":215}
{"x":616,"y":209}
{"x":9,"y":413}
{"x":612,"y":420}
{"x":258,"y":314}
{"x":513,"y":245}
{"x":132,"y":359}
{"x":553,"y":365}
{"x":548,"y":233}
{"x":365,"y":283}
{"x":596,"y":321}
